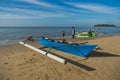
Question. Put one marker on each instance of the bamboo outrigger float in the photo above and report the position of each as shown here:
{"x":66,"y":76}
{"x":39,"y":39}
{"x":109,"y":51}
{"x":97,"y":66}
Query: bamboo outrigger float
{"x":61,"y":60}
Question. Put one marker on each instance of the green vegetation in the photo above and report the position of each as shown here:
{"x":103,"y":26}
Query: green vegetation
{"x":105,"y":25}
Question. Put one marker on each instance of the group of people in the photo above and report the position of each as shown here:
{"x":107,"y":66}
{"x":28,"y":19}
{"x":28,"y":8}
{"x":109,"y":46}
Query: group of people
{"x":73,"y":33}
{"x":30,"y":38}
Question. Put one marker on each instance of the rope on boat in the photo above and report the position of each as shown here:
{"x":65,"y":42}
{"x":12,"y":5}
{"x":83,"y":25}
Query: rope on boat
{"x":48,"y":50}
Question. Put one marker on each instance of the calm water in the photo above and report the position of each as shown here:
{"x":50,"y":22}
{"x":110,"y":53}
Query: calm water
{"x":12,"y":35}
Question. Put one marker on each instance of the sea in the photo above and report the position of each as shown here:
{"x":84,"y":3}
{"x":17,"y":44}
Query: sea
{"x":12,"y":35}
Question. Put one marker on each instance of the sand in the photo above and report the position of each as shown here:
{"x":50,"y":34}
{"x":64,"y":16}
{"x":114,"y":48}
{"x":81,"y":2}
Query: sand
{"x":21,"y":63}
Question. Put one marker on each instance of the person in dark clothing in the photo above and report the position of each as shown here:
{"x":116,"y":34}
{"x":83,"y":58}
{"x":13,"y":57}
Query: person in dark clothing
{"x":28,"y":39}
{"x":89,"y":32}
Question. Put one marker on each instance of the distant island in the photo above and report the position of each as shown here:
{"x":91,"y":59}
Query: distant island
{"x":105,"y":25}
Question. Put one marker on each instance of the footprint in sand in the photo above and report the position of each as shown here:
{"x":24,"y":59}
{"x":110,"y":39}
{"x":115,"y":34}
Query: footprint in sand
{"x":5,"y":63}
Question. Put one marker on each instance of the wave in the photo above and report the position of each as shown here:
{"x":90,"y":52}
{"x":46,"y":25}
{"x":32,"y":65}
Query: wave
{"x":9,"y":42}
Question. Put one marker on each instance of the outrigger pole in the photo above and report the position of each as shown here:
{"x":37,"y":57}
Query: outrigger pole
{"x":61,"y":60}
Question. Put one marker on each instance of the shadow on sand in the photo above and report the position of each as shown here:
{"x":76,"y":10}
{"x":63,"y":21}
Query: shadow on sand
{"x":102,"y":54}
{"x":92,"y":54}
{"x":85,"y":67}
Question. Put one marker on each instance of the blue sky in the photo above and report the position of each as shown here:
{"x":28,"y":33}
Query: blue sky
{"x":59,"y":13}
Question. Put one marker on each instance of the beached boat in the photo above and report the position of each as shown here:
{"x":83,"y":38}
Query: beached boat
{"x":85,"y":34}
{"x":76,"y":49}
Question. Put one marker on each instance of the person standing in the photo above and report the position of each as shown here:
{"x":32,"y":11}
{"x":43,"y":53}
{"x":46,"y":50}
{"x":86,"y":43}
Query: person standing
{"x":63,"y":34}
{"x":89,"y":32}
{"x":73,"y":32}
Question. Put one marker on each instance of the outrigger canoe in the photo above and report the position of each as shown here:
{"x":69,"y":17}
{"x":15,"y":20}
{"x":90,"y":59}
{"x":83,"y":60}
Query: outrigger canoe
{"x":76,"y":49}
{"x":85,"y":34}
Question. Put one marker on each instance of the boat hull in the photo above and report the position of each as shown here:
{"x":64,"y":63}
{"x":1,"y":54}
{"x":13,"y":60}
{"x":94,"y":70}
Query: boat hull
{"x":79,"y":50}
{"x":85,"y":34}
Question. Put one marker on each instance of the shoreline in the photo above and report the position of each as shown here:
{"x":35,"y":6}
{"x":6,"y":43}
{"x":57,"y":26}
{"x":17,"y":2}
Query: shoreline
{"x":15,"y":42}
{"x":20,"y":63}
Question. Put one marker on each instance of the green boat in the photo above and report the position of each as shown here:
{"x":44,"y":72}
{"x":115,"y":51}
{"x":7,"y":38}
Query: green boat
{"x":85,"y":34}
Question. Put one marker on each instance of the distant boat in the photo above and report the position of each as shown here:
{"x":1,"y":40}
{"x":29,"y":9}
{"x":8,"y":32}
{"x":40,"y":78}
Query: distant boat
{"x":76,"y":49}
{"x":85,"y":34}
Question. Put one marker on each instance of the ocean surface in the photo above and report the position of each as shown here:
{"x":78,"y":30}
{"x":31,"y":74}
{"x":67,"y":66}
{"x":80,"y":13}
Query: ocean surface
{"x":12,"y":35}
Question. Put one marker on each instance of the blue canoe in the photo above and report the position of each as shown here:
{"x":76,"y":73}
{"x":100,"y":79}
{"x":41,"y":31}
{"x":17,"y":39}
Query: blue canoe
{"x":76,"y":49}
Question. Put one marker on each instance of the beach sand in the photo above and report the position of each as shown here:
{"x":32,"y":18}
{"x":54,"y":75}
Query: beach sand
{"x":18,"y":62}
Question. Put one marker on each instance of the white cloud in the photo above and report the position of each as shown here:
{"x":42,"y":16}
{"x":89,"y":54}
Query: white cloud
{"x":19,"y":13}
{"x":12,"y":16}
{"x":96,"y":8}
{"x":43,"y":4}
{"x":61,"y":11}
{"x":24,"y":13}
{"x":54,"y":7}
{"x":54,"y":11}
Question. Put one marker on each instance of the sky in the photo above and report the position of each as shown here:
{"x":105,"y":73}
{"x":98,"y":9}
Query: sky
{"x":58,"y":13}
